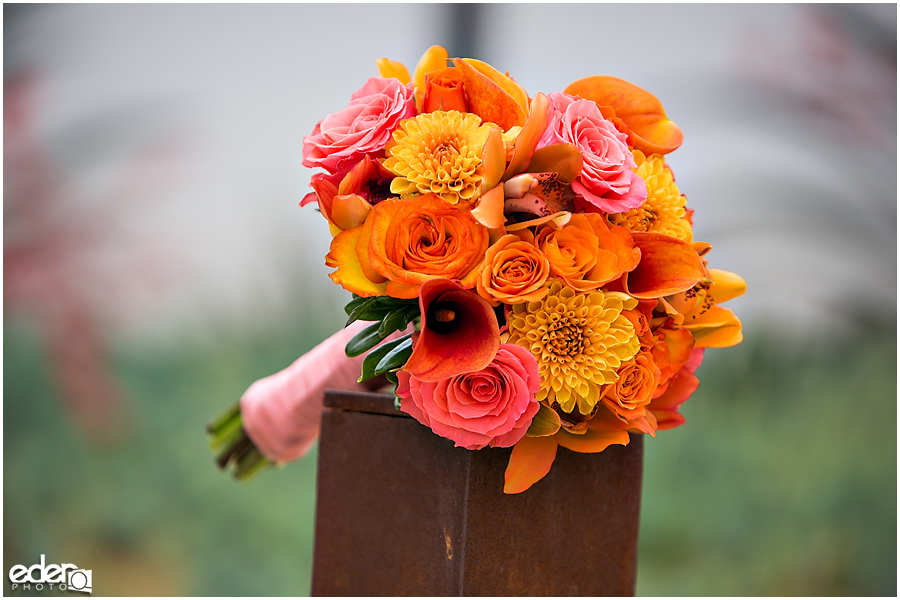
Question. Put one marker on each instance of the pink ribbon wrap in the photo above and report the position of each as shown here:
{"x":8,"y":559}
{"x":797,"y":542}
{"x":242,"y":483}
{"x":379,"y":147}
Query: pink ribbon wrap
{"x":281,"y":413}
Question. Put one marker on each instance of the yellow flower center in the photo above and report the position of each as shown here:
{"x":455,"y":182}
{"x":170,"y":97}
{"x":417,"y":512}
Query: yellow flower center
{"x":438,"y":152}
{"x":579,"y":341}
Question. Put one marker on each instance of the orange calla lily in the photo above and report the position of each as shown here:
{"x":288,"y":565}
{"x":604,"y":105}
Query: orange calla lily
{"x":492,"y":96}
{"x":648,"y":128}
{"x":668,"y":266}
{"x":459,"y":333}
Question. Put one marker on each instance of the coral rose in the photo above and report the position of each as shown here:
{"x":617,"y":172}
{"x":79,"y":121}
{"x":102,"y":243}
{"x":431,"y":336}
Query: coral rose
{"x":493,"y":406}
{"x":404,"y":243}
{"x":514,"y":271}
{"x":363,"y":127}
{"x":586,"y":253}
{"x":607,"y":181}
{"x":634,"y":388}
{"x":444,"y":91}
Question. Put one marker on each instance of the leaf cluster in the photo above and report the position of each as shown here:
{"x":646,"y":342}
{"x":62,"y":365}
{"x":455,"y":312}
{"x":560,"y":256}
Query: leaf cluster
{"x":387,"y":315}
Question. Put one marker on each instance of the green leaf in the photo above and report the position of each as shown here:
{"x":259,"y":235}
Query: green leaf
{"x":377,"y":308}
{"x":545,"y":422}
{"x":395,"y":320}
{"x":374,"y":357}
{"x":396,"y":358}
{"x":359,"y":308}
{"x":365,"y":339}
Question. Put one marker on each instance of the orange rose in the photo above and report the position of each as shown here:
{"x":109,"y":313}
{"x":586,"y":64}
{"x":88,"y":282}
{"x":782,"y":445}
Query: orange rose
{"x":634,"y":388}
{"x":444,"y":91}
{"x":587,"y":253}
{"x":404,"y":243}
{"x":514,"y":271}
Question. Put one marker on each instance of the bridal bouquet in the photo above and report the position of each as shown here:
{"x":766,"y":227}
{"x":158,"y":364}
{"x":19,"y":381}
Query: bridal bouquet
{"x":523,"y":269}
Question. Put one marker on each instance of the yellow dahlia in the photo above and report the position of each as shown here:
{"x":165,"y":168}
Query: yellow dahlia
{"x":663,"y":211}
{"x":438,"y":152}
{"x":579,"y":341}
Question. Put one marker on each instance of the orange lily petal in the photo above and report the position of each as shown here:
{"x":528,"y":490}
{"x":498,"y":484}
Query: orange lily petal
{"x":545,"y":422}
{"x":493,"y":159}
{"x":726,"y":285}
{"x":392,"y":68}
{"x":489,"y":95}
{"x":528,"y":138}
{"x":668,"y":266}
{"x":680,"y":389}
{"x":530,"y":460}
{"x":650,"y":131}
{"x":512,"y":88}
{"x":467,"y":342}
{"x":593,"y":440}
{"x":559,"y":219}
{"x":718,"y":327}
{"x":350,"y":274}
{"x":563,"y":159}
{"x":489,"y":211}
{"x":349,"y":211}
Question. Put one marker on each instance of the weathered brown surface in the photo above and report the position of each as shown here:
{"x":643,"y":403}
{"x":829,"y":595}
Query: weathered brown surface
{"x":401,"y":512}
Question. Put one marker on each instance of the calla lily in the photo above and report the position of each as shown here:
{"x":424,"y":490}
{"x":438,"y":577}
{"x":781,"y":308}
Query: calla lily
{"x":668,"y":266}
{"x":459,"y":333}
{"x":492,"y":95}
{"x":647,"y":127}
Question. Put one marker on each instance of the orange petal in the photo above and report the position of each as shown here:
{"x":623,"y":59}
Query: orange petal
{"x":530,"y":460}
{"x":593,"y":440}
{"x":489,"y":95}
{"x":493,"y":158}
{"x":467,"y":342}
{"x":679,"y":390}
{"x":563,"y":159}
{"x":349,"y":211}
{"x":489,"y":211}
{"x":349,"y":274}
{"x":649,"y":129}
{"x":434,"y":59}
{"x":529,"y":136}
{"x":726,"y":285}
{"x":392,"y":68}
{"x":718,"y":327}
{"x":512,"y":88}
{"x":668,"y":266}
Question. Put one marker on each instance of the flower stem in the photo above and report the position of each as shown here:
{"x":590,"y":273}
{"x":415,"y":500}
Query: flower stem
{"x":234,"y":450}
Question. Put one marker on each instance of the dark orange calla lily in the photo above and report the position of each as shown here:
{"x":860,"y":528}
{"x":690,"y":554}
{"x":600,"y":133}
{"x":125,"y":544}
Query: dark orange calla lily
{"x":459,"y":333}
{"x":648,"y":128}
{"x":492,"y":95}
{"x":668,"y":266}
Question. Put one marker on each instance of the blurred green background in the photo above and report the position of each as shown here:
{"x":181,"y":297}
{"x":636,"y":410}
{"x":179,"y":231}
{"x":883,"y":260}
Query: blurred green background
{"x":783,"y":481}
{"x":156,"y":263}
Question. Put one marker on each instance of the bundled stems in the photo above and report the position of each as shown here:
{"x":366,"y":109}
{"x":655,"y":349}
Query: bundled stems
{"x":234,"y":450}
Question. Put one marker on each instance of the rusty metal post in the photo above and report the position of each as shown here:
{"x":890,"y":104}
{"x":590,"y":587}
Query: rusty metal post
{"x":401,"y":512}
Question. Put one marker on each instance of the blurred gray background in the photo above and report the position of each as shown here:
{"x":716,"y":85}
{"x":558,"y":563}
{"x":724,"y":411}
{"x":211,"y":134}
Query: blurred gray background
{"x":156,"y":262}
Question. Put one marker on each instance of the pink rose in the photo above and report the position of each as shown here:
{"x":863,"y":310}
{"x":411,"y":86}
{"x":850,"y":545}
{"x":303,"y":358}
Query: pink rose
{"x":493,"y":406}
{"x":364,"y":127}
{"x":606,"y":181}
